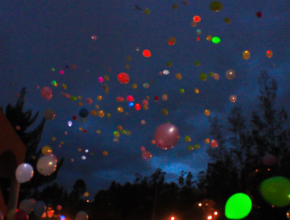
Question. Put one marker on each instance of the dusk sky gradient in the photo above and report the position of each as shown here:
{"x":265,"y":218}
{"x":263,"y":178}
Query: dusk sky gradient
{"x":39,"y":35}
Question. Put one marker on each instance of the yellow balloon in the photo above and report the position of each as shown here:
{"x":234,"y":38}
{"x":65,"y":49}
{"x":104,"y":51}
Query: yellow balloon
{"x":164,"y":111}
{"x":246,"y":55}
{"x":86,"y":194}
{"x":99,"y":97}
{"x":46,"y":150}
{"x":64,"y":86}
{"x":108,"y":115}
{"x":196,"y":90}
{"x":116,"y":134}
{"x":101,"y":113}
{"x":145,"y":107}
{"x":120,"y":109}
{"x":208,"y":38}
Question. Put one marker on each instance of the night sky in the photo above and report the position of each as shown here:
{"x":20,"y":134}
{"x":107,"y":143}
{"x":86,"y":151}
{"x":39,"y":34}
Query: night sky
{"x":37,"y":36}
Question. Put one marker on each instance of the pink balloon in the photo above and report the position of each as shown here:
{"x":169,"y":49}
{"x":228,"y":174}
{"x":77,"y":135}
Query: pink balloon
{"x":166,"y":136}
{"x":46,"y":93}
{"x":21,"y":215}
{"x":146,"y":155}
{"x":269,"y":160}
{"x":89,"y":101}
{"x":145,"y":102}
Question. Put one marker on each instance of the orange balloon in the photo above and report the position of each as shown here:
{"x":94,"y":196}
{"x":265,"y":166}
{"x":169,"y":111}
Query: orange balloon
{"x":269,"y":53}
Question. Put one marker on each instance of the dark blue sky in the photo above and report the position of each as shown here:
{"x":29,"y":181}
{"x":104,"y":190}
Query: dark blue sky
{"x":38,"y":35}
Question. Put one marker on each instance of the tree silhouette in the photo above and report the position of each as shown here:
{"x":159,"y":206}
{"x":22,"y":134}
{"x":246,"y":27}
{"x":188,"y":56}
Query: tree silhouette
{"x":22,"y":121}
{"x":238,"y":160}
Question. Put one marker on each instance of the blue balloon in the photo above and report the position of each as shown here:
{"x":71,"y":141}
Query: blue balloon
{"x":131,"y":104}
{"x":83,"y":113}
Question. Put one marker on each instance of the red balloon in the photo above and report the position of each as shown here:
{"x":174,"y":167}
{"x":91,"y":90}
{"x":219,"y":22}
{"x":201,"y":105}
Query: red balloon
{"x":214,"y":143}
{"x":156,"y":98}
{"x":259,"y":14}
{"x":166,"y":136}
{"x":146,"y":155}
{"x":59,"y":207}
{"x":142,"y":148}
{"x":130,"y":98}
{"x":269,"y":160}
{"x":123,"y":78}
{"x":21,"y":215}
{"x":137,"y":106}
{"x":146,"y":53}
{"x":89,"y":101}
{"x":74,"y":117}
{"x":119,"y":99}
{"x":46,"y":93}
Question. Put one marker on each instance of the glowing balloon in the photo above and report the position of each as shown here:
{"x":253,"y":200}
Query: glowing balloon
{"x":21,"y":215}
{"x":269,"y":160}
{"x":146,"y":53}
{"x":196,"y":18}
{"x":230,"y":74}
{"x":130,"y":98}
{"x":214,"y":143}
{"x":123,"y":78}
{"x":166,"y":136}
{"x":178,"y":76}
{"x":46,"y":165}
{"x":49,"y":114}
{"x":216,"y":40}
{"x":216,"y":6}
{"x":246,"y":55}
{"x":137,"y":106}
{"x":233,"y":98}
{"x":171,"y":41}
{"x":82,"y":215}
{"x":26,"y":205}
{"x":146,"y":155}
{"x":238,"y":206}
{"x":24,"y":172}
{"x":216,"y":76}
{"x":94,"y":37}
{"x":187,"y":139}
{"x":46,"y":150}
{"x":101,"y":113}
{"x":276,"y":191}
{"x":269,"y":53}
{"x":207,"y":112}
{"x":165,"y":72}
{"x":46,"y":93}
{"x":83,"y":113}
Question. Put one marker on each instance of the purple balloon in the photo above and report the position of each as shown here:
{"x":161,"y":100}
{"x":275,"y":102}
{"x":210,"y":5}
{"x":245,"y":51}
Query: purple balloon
{"x":166,"y":136}
{"x":269,"y":160}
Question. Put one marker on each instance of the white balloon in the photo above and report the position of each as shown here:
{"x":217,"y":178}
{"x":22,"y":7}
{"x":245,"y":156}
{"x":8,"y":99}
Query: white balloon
{"x":24,"y":172}
{"x":46,"y":165}
{"x":82,"y":215}
{"x":1,"y":216}
{"x":26,"y":205}
{"x":39,"y":208}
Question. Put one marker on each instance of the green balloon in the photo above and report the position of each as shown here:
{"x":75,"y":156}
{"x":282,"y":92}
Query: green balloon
{"x":216,"y":6}
{"x":216,"y":40}
{"x":276,"y":191}
{"x":238,"y":206}
{"x":73,"y":98}
{"x":203,"y":76}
